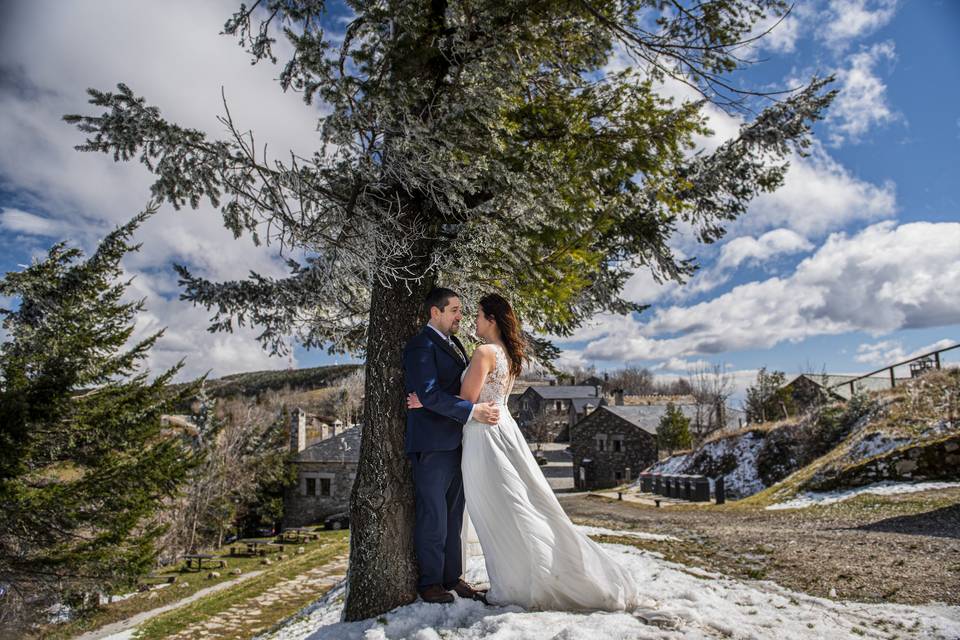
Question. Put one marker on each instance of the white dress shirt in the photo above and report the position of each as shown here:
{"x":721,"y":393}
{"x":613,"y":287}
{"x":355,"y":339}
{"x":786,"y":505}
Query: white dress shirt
{"x":450,"y":342}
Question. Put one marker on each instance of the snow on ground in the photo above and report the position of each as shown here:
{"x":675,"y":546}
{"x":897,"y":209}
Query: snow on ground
{"x":810,"y":498}
{"x":875,"y":444}
{"x":673,"y":464}
{"x":743,"y":481}
{"x":643,"y":535}
{"x":701,"y":604}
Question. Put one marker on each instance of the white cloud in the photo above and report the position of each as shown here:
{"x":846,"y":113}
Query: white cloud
{"x":847,"y":20}
{"x":887,"y":352}
{"x":861,"y":103}
{"x":17,"y":221}
{"x":745,"y":249}
{"x":819,"y":195}
{"x":882,"y":279}
{"x":784,"y":31}
{"x":172,"y":54}
{"x":753,"y":250}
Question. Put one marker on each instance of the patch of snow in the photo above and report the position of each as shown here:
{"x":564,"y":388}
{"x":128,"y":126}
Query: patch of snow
{"x":874,"y":445}
{"x":811,"y":498}
{"x":673,"y":464}
{"x":708,"y":606}
{"x":642,"y":535}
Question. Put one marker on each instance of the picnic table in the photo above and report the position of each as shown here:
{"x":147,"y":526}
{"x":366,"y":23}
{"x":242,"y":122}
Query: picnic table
{"x":199,"y":557}
{"x":259,"y":546}
{"x":297,"y":534}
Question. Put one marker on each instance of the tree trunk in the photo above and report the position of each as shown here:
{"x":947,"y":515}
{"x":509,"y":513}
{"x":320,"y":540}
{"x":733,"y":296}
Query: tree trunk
{"x":382,"y":572}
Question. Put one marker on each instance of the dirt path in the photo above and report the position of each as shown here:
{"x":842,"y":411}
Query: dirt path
{"x":133,"y":621}
{"x":903,"y":548}
{"x":253,"y":615}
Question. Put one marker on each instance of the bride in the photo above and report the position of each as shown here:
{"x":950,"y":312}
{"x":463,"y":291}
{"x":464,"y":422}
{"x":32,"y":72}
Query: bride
{"x":534,"y":555}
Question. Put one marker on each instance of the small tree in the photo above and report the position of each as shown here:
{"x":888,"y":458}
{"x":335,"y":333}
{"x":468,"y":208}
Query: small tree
{"x":84,"y":459}
{"x":711,"y":388}
{"x":766,"y":399}
{"x":633,"y":380}
{"x":674,"y":430}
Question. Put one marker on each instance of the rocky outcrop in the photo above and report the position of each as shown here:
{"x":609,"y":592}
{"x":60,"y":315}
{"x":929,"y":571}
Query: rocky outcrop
{"x":937,"y":459}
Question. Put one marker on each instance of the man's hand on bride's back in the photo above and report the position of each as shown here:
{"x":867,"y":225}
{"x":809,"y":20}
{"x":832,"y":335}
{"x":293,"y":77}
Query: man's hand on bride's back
{"x":486,"y":412}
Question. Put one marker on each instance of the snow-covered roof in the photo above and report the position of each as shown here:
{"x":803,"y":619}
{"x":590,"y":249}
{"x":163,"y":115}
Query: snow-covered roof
{"x":343,"y":447}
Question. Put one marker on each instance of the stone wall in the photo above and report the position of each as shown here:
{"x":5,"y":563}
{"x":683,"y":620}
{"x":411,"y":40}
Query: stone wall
{"x":639,"y":451}
{"x":931,"y":460}
{"x":301,"y":509}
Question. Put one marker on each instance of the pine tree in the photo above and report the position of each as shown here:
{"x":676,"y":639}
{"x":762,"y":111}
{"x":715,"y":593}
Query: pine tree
{"x":673,"y":431}
{"x":84,"y":459}
{"x":487,"y":145}
{"x":766,"y":399}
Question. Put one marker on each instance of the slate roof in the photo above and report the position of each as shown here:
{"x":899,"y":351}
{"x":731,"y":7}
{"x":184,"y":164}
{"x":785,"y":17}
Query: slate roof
{"x":343,"y":447}
{"x":647,"y":416}
{"x":580,"y":403}
{"x":564,"y":392}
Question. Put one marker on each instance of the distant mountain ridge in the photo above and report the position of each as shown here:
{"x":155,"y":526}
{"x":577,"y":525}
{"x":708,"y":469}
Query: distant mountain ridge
{"x":253,"y":383}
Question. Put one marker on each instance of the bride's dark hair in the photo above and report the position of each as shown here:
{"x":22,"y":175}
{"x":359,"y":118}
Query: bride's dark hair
{"x":496,"y":308}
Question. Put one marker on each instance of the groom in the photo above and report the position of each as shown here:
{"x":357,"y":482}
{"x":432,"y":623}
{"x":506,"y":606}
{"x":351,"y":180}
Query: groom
{"x":433,"y":361}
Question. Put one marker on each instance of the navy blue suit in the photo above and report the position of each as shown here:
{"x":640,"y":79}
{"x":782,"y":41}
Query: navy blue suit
{"x":432,"y":368}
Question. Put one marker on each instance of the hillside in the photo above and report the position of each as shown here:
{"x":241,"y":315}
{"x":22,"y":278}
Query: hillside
{"x":908,"y":433}
{"x":253,"y":383}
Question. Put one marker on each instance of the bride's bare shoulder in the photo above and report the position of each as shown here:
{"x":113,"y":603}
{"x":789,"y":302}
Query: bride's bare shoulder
{"x":484,"y":353}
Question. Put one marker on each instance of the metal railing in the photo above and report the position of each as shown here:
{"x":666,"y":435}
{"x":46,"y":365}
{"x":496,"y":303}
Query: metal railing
{"x":893,"y":380}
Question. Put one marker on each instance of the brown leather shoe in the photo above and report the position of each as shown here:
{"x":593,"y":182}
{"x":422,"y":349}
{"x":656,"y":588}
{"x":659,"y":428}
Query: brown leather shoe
{"x":436,"y":594}
{"x":464,"y":590}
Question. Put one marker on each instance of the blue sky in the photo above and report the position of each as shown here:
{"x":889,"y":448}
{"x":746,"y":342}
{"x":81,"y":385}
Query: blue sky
{"x":853,"y":264}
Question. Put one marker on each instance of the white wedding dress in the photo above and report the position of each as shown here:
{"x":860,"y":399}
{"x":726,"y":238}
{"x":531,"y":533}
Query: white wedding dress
{"x":534,"y":555}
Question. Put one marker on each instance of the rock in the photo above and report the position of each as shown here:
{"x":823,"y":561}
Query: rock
{"x":301,"y":550}
{"x":236,"y":572}
{"x":906,"y":466}
{"x":833,"y":592}
{"x":282,"y":556}
{"x":213,"y":574}
{"x":266,"y":561}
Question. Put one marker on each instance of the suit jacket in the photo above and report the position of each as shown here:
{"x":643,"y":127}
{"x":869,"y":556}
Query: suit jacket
{"x":432,"y":368}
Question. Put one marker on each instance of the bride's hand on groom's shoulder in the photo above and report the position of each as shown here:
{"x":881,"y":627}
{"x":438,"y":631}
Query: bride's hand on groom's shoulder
{"x":486,"y":412}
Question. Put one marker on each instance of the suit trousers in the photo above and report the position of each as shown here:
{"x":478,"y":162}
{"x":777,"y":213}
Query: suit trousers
{"x":438,"y":491}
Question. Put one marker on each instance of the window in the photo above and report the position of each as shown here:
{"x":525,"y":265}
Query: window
{"x":601,"y":439}
{"x":559,"y":406}
{"x":618,"y":443}
{"x":618,"y":476}
{"x":311,"y":486}
{"x":325,"y":487}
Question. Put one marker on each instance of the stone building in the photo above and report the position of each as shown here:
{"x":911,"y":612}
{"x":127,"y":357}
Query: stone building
{"x":809,"y":389}
{"x":613,"y":444}
{"x":558,"y":406}
{"x":326,"y":468}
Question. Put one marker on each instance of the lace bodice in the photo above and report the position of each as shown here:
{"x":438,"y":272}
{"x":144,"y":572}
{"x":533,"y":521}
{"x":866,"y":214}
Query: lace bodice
{"x":496,"y":388}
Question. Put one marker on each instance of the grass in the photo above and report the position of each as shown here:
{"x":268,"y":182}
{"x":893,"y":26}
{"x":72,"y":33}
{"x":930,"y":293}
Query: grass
{"x":331,"y":545}
{"x":189,"y":582}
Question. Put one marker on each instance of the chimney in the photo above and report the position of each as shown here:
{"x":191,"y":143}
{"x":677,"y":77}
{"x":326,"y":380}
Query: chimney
{"x":599,"y":389}
{"x":337,"y":427}
{"x":298,"y":430}
{"x":618,"y":397}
